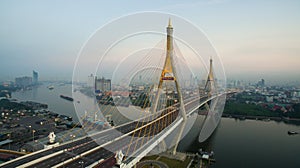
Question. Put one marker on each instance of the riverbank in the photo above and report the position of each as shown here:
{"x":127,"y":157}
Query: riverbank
{"x":22,"y":122}
{"x":263,"y":118}
{"x":261,"y":111}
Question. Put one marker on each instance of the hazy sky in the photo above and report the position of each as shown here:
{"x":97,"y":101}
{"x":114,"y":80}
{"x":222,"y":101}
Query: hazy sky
{"x":255,"y":39}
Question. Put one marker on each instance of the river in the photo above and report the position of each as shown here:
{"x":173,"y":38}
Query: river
{"x":42,"y":94}
{"x":236,"y":144}
{"x":249,"y":143}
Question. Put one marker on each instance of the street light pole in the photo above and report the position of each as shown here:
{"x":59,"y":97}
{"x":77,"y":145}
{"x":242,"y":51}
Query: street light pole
{"x":29,"y":128}
{"x":72,"y":137}
{"x":9,"y":136}
{"x":33,"y":131}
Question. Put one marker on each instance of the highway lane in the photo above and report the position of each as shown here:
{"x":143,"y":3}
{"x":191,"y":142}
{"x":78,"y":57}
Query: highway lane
{"x":104,"y":153}
{"x":123,"y":144}
{"x":81,"y":148}
{"x":73,"y":152}
{"x":62,"y":147}
{"x":43,"y":153}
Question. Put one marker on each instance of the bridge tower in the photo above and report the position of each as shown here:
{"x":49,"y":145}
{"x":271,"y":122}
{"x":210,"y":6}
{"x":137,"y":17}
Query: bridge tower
{"x":169,"y":74}
{"x":210,"y":85}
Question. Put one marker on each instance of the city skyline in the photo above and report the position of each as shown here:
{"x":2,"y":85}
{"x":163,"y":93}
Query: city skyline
{"x":254,"y":39}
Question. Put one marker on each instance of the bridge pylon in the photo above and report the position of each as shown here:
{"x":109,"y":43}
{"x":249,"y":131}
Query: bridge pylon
{"x":169,"y":74}
{"x":210,"y":85}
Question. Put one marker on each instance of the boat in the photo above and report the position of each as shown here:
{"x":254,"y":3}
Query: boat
{"x":50,"y":87}
{"x":207,"y":156}
{"x":66,"y":97}
{"x":292,"y":132}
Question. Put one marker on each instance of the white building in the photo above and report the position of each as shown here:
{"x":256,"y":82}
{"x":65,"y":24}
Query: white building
{"x":91,"y":81}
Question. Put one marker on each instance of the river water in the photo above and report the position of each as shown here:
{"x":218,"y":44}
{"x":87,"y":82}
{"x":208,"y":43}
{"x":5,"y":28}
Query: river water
{"x":236,"y":144}
{"x":249,"y":143}
{"x":42,"y":94}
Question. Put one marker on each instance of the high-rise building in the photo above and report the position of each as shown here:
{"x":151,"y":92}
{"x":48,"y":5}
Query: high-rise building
{"x":91,"y":81}
{"x":23,"y":81}
{"x":102,"y":84}
{"x":35,"y":77}
{"x":261,"y":83}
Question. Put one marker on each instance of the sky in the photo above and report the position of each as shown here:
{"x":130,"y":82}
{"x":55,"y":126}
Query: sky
{"x":255,"y":39}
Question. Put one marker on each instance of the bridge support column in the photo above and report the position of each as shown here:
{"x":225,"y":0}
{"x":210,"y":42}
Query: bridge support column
{"x":178,"y":137}
{"x":183,"y":114}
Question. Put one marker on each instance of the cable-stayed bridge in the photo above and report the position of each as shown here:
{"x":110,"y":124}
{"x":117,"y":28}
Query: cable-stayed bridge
{"x":126,"y":144}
